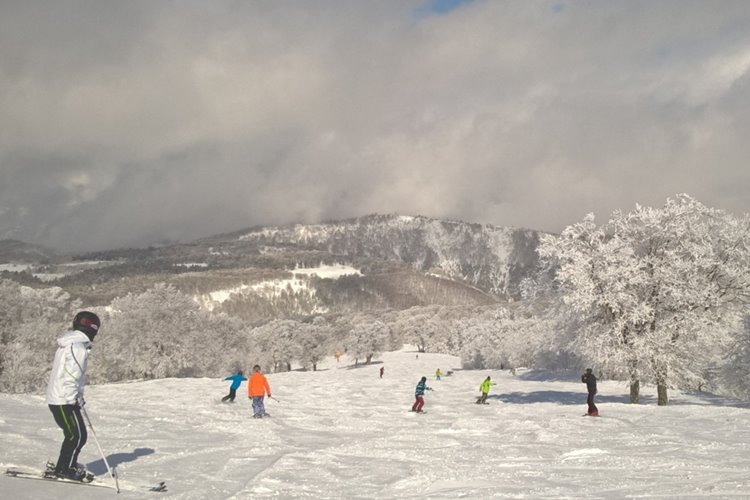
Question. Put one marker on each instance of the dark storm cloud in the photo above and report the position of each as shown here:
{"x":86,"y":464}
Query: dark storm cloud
{"x":129,"y":123}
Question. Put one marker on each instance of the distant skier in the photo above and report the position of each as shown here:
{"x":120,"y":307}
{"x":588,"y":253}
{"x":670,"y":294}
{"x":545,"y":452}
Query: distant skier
{"x":257,"y":388}
{"x":438,"y":373}
{"x":338,"y":356}
{"x":65,"y":394}
{"x":237,"y":380}
{"x":382,"y":370}
{"x":484,"y":388}
{"x":419,"y":395}
{"x":589,"y":379}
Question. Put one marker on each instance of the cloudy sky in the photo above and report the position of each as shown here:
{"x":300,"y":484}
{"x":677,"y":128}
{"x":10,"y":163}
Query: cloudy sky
{"x":128,"y":123}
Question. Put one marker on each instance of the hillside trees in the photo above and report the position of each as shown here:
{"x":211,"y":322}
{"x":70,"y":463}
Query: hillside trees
{"x":279,"y":339}
{"x":161,"y":333}
{"x":30,"y":322}
{"x":315,"y":341}
{"x":417,"y":326}
{"x":656,"y":290}
{"x":501,"y":338}
{"x":737,"y":369}
{"x":367,"y":338}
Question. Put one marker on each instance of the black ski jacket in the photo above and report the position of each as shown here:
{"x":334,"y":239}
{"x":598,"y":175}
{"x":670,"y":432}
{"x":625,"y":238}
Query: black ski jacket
{"x":590,"y":380}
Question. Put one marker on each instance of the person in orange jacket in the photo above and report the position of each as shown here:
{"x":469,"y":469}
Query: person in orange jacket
{"x":257,"y":388}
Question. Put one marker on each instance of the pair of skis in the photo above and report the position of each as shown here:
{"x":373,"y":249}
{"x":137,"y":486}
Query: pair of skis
{"x":29,"y":474}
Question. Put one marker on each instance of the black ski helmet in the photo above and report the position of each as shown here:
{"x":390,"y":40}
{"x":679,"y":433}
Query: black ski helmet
{"x":88,"y":323}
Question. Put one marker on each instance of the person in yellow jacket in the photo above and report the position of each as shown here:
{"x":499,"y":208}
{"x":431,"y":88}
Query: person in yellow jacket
{"x":484,"y":387}
{"x":257,"y":388}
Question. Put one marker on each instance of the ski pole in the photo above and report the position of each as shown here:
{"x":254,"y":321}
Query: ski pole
{"x":271,"y":397}
{"x":93,"y":433}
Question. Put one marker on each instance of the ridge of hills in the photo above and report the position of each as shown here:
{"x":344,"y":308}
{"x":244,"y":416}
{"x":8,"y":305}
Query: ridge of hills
{"x":384,"y":261}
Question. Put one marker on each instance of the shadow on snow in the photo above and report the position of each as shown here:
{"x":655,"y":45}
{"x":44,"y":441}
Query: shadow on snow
{"x":563,"y":398}
{"x":98,"y":467}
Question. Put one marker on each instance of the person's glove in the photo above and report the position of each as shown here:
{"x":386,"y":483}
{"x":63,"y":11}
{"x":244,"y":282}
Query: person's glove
{"x":80,"y":402}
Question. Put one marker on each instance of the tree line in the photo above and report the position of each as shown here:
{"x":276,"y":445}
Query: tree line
{"x":652,"y":296}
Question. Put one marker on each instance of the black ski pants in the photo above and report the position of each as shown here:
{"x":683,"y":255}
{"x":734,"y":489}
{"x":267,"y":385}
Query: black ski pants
{"x":590,"y":402}
{"x":69,"y":419}
{"x":232,"y":394}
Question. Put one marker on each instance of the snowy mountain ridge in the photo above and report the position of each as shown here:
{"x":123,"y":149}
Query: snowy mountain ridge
{"x":402,"y":261}
{"x":491,"y":258}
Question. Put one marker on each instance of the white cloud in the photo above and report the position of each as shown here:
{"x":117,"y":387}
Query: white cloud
{"x":189,"y":119}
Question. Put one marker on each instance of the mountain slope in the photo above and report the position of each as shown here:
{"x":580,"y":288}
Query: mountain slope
{"x":400,"y":262}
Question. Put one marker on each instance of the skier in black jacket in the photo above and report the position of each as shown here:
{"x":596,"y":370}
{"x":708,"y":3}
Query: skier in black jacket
{"x":589,"y":379}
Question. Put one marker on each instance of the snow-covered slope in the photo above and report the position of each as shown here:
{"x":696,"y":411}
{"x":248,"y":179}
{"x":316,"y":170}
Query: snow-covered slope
{"x":343,"y":432}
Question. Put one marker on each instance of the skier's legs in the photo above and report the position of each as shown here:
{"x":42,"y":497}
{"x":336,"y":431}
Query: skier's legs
{"x":232,"y":394}
{"x":483,"y":399}
{"x":69,"y":419}
{"x":258,"y":407}
{"x":590,"y":402}
{"x":418,"y":404}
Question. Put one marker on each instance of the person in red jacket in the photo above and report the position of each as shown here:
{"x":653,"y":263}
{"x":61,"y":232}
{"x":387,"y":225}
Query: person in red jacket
{"x":257,"y":388}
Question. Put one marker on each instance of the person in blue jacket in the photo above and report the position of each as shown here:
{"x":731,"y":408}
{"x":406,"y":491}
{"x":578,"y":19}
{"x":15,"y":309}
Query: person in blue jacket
{"x":237,"y":380}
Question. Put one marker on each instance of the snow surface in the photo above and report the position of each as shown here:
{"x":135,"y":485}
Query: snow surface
{"x":334,"y":271}
{"x":14,"y":268}
{"x":274,"y":288}
{"x":343,"y":432}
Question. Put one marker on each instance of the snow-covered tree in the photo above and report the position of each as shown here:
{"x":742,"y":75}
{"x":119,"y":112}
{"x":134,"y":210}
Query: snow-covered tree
{"x":736,"y":372}
{"x":156,"y":334}
{"x":367,"y":339}
{"x":654,"y":289}
{"x":30,"y":321}
{"x":416,"y":326}
{"x":497,"y":337}
{"x":314,"y":340}
{"x":279,"y":339}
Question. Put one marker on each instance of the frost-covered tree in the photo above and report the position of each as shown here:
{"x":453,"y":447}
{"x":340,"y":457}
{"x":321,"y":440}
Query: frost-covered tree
{"x":30,"y":322}
{"x":736,"y":372}
{"x":367,"y":339}
{"x":655,"y":289}
{"x":500,"y":338}
{"x":279,"y":339}
{"x":156,"y":334}
{"x":314,"y":341}
{"x":416,"y":326}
